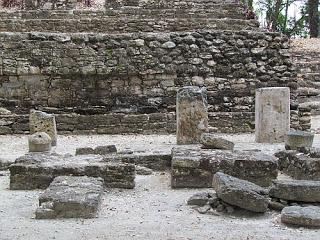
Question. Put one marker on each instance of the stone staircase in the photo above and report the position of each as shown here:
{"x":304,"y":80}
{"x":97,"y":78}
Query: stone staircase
{"x":118,"y":70}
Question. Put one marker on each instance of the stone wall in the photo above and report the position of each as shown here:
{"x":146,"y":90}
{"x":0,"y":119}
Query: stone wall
{"x":50,"y":4}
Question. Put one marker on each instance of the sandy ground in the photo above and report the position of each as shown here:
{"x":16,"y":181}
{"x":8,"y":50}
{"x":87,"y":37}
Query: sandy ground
{"x":150,"y":211}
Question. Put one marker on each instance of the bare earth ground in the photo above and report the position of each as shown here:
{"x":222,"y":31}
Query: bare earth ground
{"x":150,"y":211}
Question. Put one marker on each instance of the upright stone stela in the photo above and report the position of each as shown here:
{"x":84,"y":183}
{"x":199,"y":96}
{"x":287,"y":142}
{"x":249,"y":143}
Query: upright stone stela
{"x":192,"y":114}
{"x":272,"y":114}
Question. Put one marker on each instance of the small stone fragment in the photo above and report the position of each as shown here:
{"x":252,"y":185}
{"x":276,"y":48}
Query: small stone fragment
{"x":209,"y":141}
{"x":278,"y":206}
{"x":39,"y":142}
{"x":201,"y":199}
{"x":84,"y":151}
{"x":4,"y":111}
{"x":301,"y":216}
{"x":298,"y":139}
{"x":204,"y":209}
{"x":103,"y":150}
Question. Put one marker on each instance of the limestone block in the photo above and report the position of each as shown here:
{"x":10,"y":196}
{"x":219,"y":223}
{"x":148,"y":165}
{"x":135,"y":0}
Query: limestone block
{"x":296,"y":190}
{"x":71,"y":197}
{"x":39,"y":142}
{"x":272,"y":114}
{"x":210,"y":141}
{"x":240,"y":193}
{"x":301,"y":216}
{"x":298,"y":139}
{"x":37,"y":170}
{"x":43,"y":122}
{"x":192,"y":114}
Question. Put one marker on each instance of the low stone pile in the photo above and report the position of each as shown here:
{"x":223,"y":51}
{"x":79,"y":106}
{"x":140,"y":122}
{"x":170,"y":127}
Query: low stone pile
{"x":99,"y":150}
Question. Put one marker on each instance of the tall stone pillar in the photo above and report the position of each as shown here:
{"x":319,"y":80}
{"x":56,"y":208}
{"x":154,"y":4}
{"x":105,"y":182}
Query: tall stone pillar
{"x":272,"y":114}
{"x":192,"y":114}
{"x":43,"y":122}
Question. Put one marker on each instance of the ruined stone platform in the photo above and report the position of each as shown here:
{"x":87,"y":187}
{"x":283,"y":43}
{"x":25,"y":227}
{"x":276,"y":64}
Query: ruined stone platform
{"x":195,"y":167}
{"x":71,"y":197}
{"x":38,"y":170}
{"x":298,"y":165}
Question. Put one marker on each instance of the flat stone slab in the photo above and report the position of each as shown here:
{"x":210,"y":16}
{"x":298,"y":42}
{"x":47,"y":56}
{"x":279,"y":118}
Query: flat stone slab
{"x":195,"y":167}
{"x":71,"y":197}
{"x":298,"y":165}
{"x":240,"y":193}
{"x":296,"y":190}
{"x":301,"y":216}
{"x":37,"y":170}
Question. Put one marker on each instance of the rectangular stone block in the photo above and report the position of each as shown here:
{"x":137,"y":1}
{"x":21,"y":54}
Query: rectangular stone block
{"x":195,"y":167}
{"x":37,"y":170}
{"x":272,"y":114}
{"x":296,"y":190}
{"x":71,"y":197}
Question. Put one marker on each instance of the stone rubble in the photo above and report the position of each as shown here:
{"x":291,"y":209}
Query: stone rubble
{"x":210,"y":141}
{"x":99,"y":150}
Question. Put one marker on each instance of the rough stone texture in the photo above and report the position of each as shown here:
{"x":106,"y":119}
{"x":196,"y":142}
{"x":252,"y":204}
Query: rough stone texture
{"x":192,"y":114}
{"x":38,"y":170}
{"x":49,"y":4}
{"x":296,"y":190}
{"x":298,"y":139}
{"x":211,"y":142}
{"x":99,"y":150}
{"x":140,"y":170}
{"x":272,"y":114}
{"x":71,"y":197}
{"x":195,"y":167}
{"x":43,"y":122}
{"x":201,"y":199}
{"x":157,"y":160}
{"x":301,"y":216}
{"x":39,"y":142}
{"x":240,"y":193}
{"x":298,"y":165}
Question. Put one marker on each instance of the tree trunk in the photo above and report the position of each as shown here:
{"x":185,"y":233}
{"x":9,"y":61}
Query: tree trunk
{"x":276,"y":11}
{"x":313,"y":18}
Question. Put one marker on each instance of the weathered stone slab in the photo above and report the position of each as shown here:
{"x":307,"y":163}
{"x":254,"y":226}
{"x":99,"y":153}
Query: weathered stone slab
{"x":272,"y":114}
{"x":202,"y":198}
{"x":298,"y":165}
{"x":210,"y":141}
{"x":43,"y":122}
{"x":192,"y":114}
{"x":99,"y":150}
{"x":296,"y":190}
{"x":71,"y":197}
{"x":298,"y":139}
{"x":240,"y":193}
{"x":301,"y":216}
{"x":39,"y":142}
{"x":37,"y":170}
{"x":195,"y":167}
{"x":140,"y":170}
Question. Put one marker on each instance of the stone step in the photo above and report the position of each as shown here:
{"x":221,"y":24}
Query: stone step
{"x":124,"y":25}
{"x":219,"y":11}
{"x":71,"y":197}
{"x":185,"y":3}
{"x":309,"y":76}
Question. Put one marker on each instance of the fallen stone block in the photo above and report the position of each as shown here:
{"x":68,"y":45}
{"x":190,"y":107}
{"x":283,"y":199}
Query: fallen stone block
{"x":209,"y":141}
{"x":240,"y":193}
{"x":84,"y":151}
{"x":71,"y":197}
{"x":43,"y":122}
{"x":195,"y":167}
{"x":103,"y":150}
{"x":298,"y":165}
{"x":301,"y":216}
{"x":298,"y":139}
{"x":39,"y":142}
{"x":37,"y":170}
{"x":296,"y":190}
